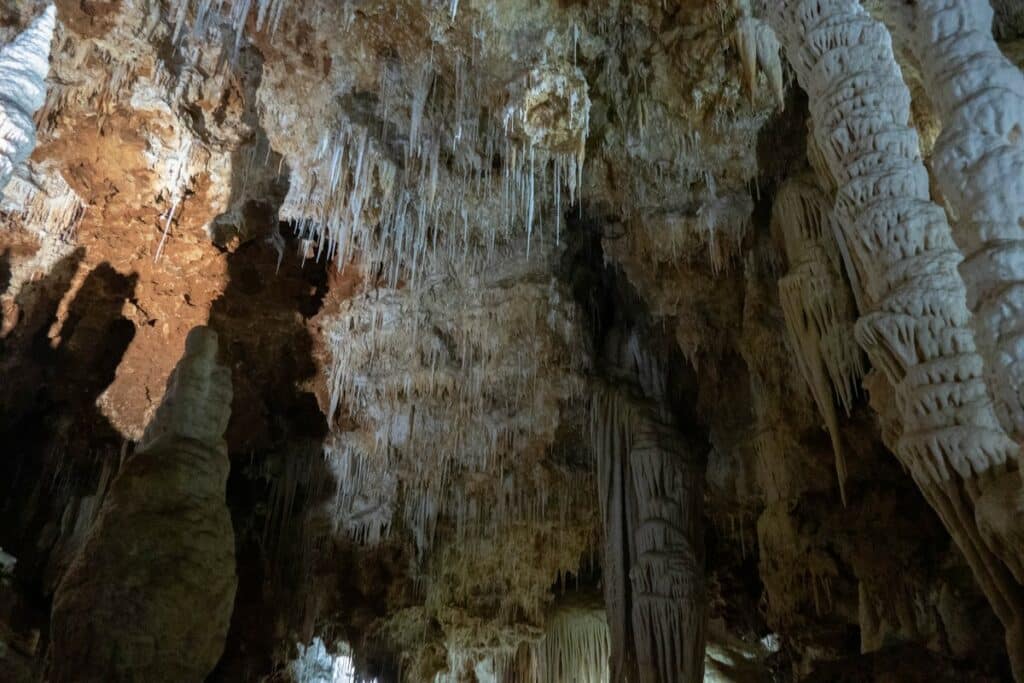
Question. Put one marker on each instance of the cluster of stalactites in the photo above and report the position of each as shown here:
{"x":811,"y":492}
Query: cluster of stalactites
{"x":397,"y":196}
{"x":979,"y":165}
{"x":236,"y":13}
{"x":759,"y":51}
{"x":443,"y":387}
{"x":365,"y":498}
{"x":915,"y":322}
{"x":438,"y":194}
{"x":446,"y":346}
{"x":368,"y":501}
{"x":817,"y":305}
{"x":550,"y":112}
{"x":576,"y":648}
{"x":48,"y":209}
{"x":24,"y":64}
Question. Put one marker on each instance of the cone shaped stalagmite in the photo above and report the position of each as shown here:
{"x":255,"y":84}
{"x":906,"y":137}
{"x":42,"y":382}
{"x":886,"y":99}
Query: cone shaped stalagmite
{"x":149,"y":596}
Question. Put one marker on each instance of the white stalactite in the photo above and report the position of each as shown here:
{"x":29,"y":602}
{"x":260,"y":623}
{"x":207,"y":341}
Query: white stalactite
{"x":914,"y":324}
{"x":759,"y":47}
{"x":979,"y":165}
{"x":24,"y":64}
{"x":817,"y":305}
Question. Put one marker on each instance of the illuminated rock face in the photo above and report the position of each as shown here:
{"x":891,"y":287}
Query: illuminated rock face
{"x":150,"y":595}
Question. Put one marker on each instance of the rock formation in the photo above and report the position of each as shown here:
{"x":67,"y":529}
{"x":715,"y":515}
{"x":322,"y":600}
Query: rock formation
{"x":566,"y":341}
{"x":649,"y":486}
{"x":24,"y":63}
{"x":149,"y":596}
{"x":817,"y":304}
{"x":978,"y":160}
{"x":914,"y":323}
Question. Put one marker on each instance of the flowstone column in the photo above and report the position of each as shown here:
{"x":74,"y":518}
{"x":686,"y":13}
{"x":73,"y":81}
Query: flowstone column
{"x":651,"y":496}
{"x":978,"y":162}
{"x":979,"y":165}
{"x":914,"y":322}
{"x":24,"y":63}
{"x":150,"y":594}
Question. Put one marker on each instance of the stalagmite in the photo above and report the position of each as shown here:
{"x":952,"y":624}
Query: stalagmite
{"x":914,"y":326}
{"x":817,"y":305}
{"x":979,"y":165}
{"x":150,"y":594}
{"x":24,"y":64}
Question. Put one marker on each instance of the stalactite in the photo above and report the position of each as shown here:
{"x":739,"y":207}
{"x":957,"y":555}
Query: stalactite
{"x":722,"y":223}
{"x":24,"y":64}
{"x":817,"y":306}
{"x":914,"y":325}
{"x":979,"y":165}
{"x":759,"y":48}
